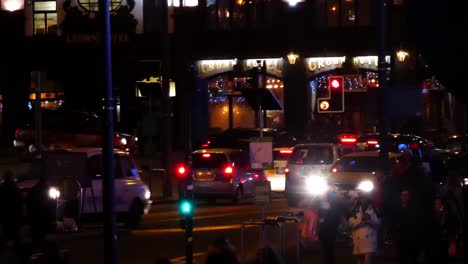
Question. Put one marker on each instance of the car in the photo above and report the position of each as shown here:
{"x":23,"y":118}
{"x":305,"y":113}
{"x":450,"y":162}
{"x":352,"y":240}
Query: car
{"x":356,"y":172}
{"x":84,"y":167}
{"x":307,"y":161}
{"x":282,"y":144}
{"x":398,"y":142}
{"x":66,"y":129}
{"x":222,"y":173}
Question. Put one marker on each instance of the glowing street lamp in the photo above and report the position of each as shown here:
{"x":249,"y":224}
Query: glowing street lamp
{"x":12,"y":5}
{"x":401,"y":55}
{"x":292,"y":57}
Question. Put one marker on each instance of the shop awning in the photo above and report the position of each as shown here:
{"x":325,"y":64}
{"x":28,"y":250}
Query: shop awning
{"x":263,"y":97}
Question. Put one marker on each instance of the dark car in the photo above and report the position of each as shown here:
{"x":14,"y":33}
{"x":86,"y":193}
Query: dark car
{"x":398,"y":142}
{"x":61,"y":128}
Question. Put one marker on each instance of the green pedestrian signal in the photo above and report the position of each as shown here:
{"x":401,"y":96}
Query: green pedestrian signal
{"x":186,"y":207}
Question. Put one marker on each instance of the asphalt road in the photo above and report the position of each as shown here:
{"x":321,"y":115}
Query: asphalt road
{"x":160,"y":235}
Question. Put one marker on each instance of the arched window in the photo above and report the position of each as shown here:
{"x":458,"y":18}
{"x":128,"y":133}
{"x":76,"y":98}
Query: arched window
{"x":93,"y":5}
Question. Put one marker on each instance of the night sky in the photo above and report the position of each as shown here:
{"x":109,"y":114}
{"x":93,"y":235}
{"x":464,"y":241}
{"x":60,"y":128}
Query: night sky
{"x":440,"y":29}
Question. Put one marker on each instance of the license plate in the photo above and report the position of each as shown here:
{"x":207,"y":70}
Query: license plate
{"x":270,"y":172}
{"x":204,"y":175}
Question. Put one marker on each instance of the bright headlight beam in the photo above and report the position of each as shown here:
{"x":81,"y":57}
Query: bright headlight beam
{"x":54,"y":193}
{"x":366,"y":186}
{"x":316,"y":185}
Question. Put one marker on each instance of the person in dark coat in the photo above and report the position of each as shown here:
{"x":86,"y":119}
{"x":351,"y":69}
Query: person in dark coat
{"x":41,"y":211}
{"x":10,"y":207}
{"x":331,"y":213}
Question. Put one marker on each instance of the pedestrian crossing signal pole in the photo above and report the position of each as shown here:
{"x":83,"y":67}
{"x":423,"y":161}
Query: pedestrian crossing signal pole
{"x":186,"y":210}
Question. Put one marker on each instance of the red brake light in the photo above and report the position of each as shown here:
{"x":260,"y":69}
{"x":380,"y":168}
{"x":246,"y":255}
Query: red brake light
{"x":334,"y":170}
{"x":182,"y":171}
{"x":206,"y":144}
{"x":206,"y":155}
{"x":372,"y":142}
{"x":347,"y":139}
{"x":228,"y":170}
{"x":286,"y":170}
{"x":17,"y":131}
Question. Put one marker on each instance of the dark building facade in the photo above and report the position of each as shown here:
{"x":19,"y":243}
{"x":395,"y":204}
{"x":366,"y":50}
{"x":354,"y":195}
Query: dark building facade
{"x":217,"y":47}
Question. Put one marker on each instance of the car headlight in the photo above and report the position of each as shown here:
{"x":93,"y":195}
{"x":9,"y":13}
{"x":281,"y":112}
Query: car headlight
{"x":316,"y":185}
{"x":465,"y":181}
{"x":366,"y":186}
{"x":54,"y":193}
{"x":136,"y":139}
{"x":123,"y":141}
{"x":147,"y":194}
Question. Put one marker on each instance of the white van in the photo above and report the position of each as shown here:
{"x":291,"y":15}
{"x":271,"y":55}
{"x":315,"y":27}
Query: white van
{"x":132,"y":195}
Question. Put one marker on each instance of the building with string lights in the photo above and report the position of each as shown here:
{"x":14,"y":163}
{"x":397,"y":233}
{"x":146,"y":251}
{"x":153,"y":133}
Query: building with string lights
{"x":217,"y":48}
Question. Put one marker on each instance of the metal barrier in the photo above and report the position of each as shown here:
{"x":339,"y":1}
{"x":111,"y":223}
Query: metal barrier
{"x":275,"y":221}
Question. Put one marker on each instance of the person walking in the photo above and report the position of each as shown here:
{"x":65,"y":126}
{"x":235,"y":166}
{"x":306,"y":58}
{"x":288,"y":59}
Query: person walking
{"x":364,"y":222}
{"x":10,"y":208}
{"x":331,"y":214}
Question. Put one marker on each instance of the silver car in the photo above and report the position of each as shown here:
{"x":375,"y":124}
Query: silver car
{"x":309,"y":162}
{"x":222,"y":173}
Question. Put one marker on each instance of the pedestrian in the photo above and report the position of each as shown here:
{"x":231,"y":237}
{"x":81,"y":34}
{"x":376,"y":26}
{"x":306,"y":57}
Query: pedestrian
{"x":41,"y":210}
{"x":439,"y":233}
{"x":266,"y":255}
{"x":331,"y":214}
{"x":221,"y":250}
{"x":409,"y":234}
{"x":364,"y":222}
{"x":10,"y":208}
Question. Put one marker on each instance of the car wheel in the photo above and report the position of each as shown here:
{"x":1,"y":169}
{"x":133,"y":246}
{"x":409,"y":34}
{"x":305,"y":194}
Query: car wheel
{"x":135,"y":213}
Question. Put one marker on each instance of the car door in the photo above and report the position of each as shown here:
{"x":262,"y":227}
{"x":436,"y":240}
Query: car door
{"x":244,"y":172}
{"x":92,"y":202}
{"x":127,"y":183}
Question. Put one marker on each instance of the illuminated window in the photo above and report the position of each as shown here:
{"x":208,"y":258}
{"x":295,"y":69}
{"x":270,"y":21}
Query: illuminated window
{"x":45,"y":17}
{"x":93,"y":5}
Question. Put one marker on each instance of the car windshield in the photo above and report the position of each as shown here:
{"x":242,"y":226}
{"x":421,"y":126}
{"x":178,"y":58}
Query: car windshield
{"x":312,"y":155}
{"x":208,"y":160}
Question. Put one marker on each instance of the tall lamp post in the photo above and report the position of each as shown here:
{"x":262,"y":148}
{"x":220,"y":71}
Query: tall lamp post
{"x":110,"y":235}
{"x":384,"y":125}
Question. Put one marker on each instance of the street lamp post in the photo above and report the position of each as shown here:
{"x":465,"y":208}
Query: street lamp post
{"x":383,"y":84}
{"x":110,"y":235}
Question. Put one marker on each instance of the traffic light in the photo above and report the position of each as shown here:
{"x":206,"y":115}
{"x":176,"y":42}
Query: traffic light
{"x":335,"y":102}
{"x":186,"y":208}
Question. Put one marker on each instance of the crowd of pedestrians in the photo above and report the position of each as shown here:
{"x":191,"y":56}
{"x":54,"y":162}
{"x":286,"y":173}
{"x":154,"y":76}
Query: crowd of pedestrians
{"x":26,"y":220}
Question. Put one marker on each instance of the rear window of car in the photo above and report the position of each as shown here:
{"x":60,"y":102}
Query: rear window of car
{"x":208,"y":160}
{"x":312,"y":155}
{"x":362,"y":164}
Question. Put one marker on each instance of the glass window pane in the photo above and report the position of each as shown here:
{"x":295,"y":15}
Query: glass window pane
{"x":51,"y":20}
{"x":39,"y":24}
{"x":45,"y":6}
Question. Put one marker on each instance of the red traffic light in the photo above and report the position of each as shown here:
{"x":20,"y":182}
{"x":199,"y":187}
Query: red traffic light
{"x":335,"y":82}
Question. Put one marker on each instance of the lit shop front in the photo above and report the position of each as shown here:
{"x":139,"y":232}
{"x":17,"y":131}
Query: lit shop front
{"x":226,"y":106}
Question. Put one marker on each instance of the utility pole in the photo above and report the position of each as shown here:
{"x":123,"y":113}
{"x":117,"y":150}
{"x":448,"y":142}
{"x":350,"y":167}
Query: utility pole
{"x":383,"y":84}
{"x":110,"y":235}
